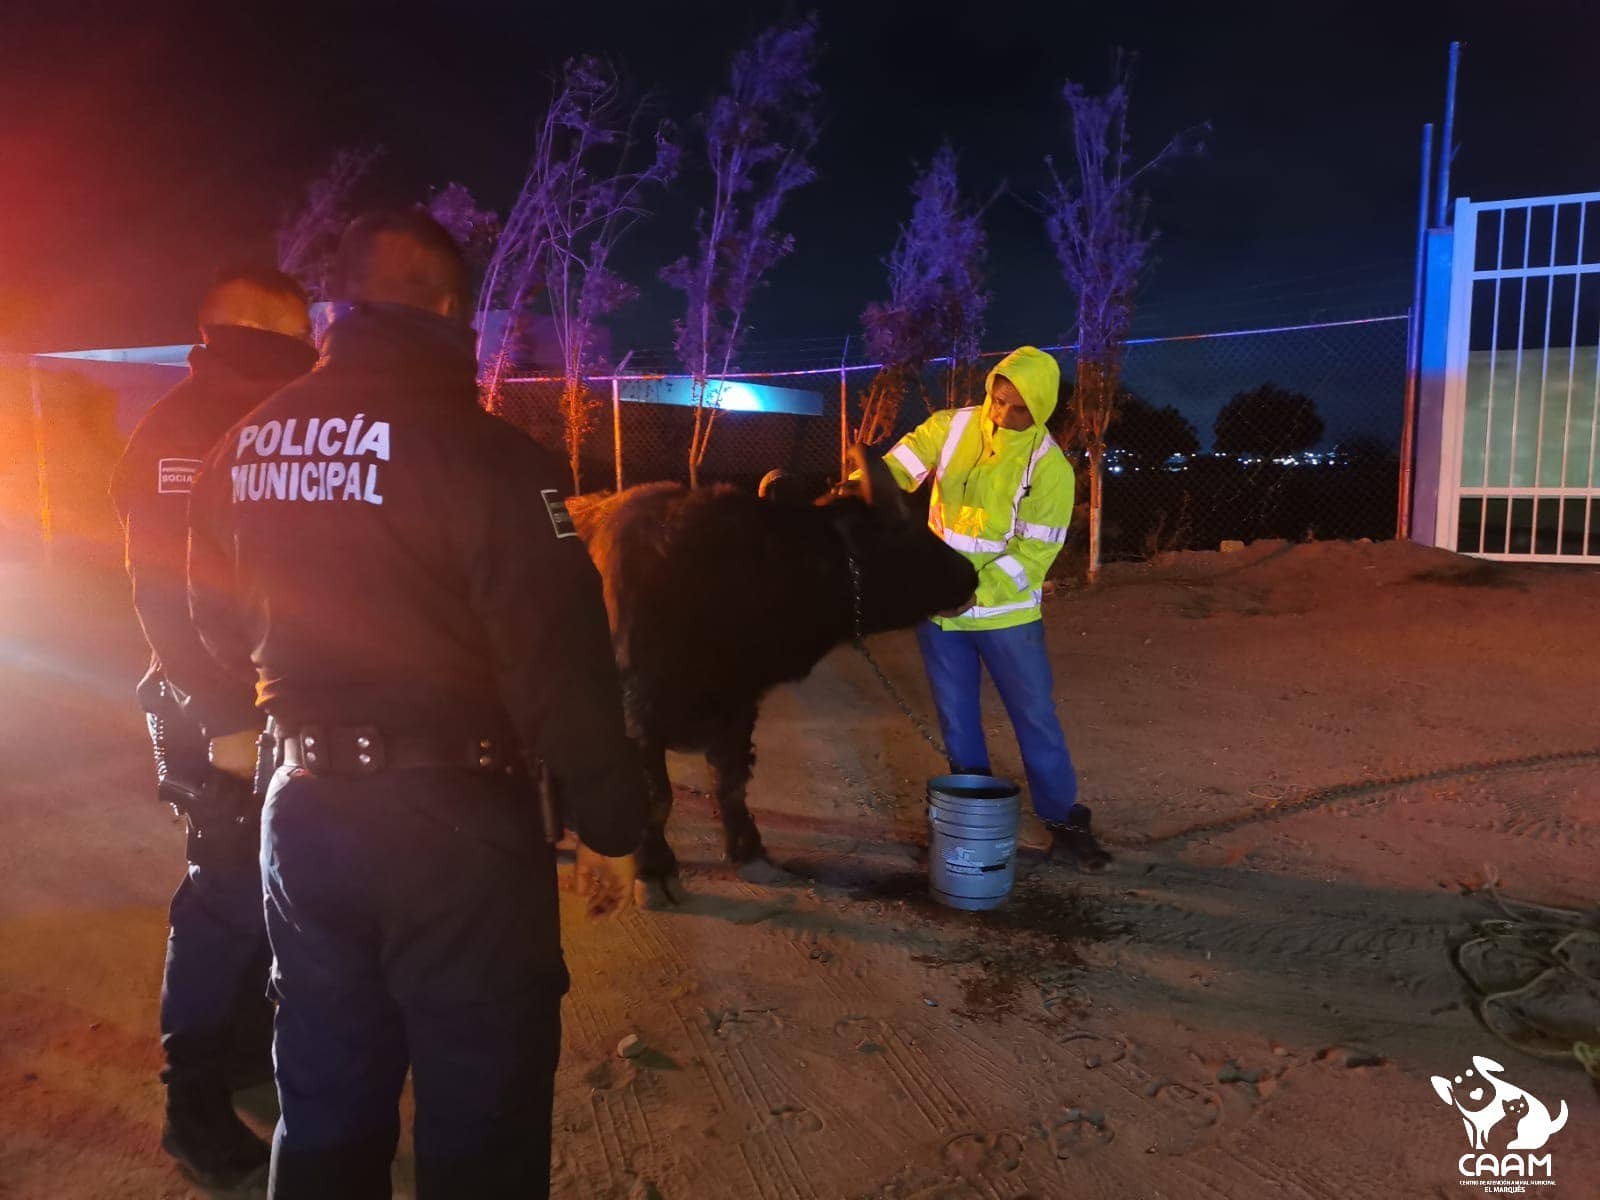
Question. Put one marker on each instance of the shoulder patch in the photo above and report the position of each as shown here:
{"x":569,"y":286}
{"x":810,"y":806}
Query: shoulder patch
{"x":176,"y":475}
{"x":560,"y":518}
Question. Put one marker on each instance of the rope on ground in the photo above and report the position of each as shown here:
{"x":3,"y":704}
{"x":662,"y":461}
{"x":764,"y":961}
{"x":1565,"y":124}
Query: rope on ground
{"x":1303,"y":801}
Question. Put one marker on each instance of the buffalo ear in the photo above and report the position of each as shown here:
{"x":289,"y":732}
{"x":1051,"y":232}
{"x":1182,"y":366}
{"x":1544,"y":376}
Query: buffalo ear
{"x":877,"y":484}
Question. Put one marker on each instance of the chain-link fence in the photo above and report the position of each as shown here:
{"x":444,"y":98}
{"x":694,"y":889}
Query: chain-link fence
{"x":1298,"y":433}
{"x":1291,"y":432}
{"x":640,"y":442}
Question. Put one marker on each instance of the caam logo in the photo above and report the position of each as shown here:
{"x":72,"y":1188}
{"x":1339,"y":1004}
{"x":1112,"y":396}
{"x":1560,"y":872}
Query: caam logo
{"x":1497,"y":1114}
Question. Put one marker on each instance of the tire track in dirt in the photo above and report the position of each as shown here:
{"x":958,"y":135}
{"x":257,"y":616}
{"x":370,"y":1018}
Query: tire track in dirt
{"x":709,"y":1058}
{"x":623,"y":1132}
{"x":768,"y":1171}
{"x":1365,"y":792}
{"x":923,"y":1084}
{"x":583,"y":1032}
{"x":776,"y":1136}
{"x":611,"y":1152}
{"x":1543,"y":819}
{"x":1249,"y":1172}
{"x":810,"y":950}
{"x":651,"y":942}
{"x":1323,"y":936}
{"x":960,"y":1048}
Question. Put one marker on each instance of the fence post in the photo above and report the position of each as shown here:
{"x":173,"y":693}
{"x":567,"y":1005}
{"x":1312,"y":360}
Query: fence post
{"x":616,"y":426}
{"x":1408,"y":420}
{"x":41,"y":467}
{"x":844,"y":414}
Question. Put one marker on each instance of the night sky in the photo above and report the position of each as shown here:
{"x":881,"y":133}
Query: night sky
{"x":143,"y":144}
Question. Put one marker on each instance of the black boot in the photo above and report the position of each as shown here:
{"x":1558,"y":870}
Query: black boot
{"x":209,"y":1141}
{"x":1073,"y":841}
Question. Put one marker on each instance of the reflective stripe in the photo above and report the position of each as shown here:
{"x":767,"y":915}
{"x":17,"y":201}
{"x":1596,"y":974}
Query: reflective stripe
{"x":958,"y":426}
{"x":1055,"y":534}
{"x":970,"y":544}
{"x":1014,"y":571}
{"x":980,"y":545}
{"x":1044,"y":447}
{"x":1000,"y":610}
{"x":914,"y":466}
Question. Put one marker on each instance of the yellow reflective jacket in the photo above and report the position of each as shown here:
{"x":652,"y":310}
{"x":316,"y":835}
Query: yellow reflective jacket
{"x":1002,"y":497}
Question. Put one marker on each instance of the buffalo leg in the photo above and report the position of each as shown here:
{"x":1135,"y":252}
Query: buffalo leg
{"x":732,"y":758}
{"x":656,"y":860}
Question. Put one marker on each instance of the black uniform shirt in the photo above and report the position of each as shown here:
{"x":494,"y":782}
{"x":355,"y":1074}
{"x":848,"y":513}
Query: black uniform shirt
{"x":236,"y":370}
{"x":386,"y":553}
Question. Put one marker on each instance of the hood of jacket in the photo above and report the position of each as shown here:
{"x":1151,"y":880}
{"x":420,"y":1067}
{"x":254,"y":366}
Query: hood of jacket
{"x":1032,"y":372}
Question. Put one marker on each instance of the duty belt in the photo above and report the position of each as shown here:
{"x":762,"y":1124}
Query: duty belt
{"x":366,"y":750}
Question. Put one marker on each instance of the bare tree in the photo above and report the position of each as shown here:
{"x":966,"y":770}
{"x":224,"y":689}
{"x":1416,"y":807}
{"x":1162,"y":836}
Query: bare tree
{"x":592,"y":169}
{"x":936,"y":297}
{"x":758,"y":140}
{"x":1096,"y":219}
{"x":308,"y":236}
{"x":476,"y":230}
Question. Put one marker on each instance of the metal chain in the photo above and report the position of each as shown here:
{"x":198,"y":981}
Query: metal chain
{"x":917,"y":722}
{"x":920,"y":725}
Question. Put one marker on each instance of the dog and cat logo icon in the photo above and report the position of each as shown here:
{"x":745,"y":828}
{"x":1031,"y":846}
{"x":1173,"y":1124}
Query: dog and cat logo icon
{"x":1498,"y":1113}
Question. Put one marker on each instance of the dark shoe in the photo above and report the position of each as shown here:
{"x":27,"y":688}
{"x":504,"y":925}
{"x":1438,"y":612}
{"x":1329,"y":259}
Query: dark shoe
{"x":209,"y":1141}
{"x":1072,"y":841}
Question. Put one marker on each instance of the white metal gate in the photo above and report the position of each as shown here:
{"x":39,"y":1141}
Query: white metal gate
{"x":1518,"y":452}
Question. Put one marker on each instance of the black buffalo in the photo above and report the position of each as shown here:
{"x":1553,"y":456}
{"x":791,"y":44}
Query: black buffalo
{"x":715,"y":596}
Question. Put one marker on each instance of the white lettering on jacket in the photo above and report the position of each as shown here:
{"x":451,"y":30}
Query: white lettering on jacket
{"x":330,"y":477}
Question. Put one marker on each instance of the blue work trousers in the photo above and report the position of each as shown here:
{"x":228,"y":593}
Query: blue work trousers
{"x":1017,"y":662}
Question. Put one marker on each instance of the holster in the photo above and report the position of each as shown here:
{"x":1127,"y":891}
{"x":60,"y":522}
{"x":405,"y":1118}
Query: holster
{"x":222,"y":814}
{"x":550,"y":807}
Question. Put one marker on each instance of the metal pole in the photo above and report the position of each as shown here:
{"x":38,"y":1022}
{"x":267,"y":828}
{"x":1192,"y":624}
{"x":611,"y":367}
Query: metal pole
{"x":844,"y":414}
{"x":616,"y":426}
{"x":616,"y":414}
{"x":1447,"y":148}
{"x":1408,"y":426}
{"x":46,"y":524}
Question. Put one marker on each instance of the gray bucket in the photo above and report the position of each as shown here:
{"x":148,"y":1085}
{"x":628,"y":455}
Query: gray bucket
{"x":972,"y":840}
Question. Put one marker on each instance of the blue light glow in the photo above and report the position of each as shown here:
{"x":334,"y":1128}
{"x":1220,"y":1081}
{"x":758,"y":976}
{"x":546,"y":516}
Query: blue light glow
{"x":730,"y":395}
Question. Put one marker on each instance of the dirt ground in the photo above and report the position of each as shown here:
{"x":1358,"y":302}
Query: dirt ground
{"x":1309,"y":760}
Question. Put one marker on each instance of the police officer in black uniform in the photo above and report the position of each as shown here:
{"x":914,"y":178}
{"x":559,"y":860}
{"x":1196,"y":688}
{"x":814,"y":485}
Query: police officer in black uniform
{"x":216,"y":1019}
{"x":399,"y":569}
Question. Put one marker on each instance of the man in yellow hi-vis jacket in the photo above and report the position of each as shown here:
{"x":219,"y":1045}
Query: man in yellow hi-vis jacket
{"x":1002,"y":495}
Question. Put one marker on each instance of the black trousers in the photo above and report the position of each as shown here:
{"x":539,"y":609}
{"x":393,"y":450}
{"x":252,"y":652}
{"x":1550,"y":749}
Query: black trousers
{"x":216,"y":1020}
{"x":414,"y":922}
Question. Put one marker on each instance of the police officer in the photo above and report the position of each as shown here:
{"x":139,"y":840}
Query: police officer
{"x":399,"y":569}
{"x":215,"y":1016}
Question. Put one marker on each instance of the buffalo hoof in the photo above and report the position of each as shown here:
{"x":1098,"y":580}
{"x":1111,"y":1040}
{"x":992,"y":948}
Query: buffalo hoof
{"x":659,"y":893}
{"x":763,"y":872}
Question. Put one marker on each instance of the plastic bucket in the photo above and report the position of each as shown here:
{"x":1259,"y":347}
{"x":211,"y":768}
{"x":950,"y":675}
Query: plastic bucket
{"x":972,"y":840}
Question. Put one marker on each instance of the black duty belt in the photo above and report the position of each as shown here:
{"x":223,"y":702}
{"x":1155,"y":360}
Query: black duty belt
{"x":366,"y":750}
